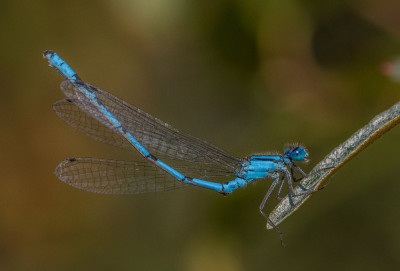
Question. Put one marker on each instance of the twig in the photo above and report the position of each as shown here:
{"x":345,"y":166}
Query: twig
{"x":337,"y":158}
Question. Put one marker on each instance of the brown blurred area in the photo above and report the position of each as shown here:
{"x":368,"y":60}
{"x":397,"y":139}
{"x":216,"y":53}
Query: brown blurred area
{"x":248,"y":76}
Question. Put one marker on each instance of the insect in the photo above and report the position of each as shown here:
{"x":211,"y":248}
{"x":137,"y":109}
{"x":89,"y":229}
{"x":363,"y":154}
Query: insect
{"x":187,"y":160}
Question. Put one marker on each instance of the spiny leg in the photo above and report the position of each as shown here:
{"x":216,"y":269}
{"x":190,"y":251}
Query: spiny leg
{"x":262,"y":205}
{"x":290,"y":184}
{"x":281,"y":182}
{"x":309,"y":191}
{"x":303,"y":174}
{"x":288,"y":176}
{"x":290,"y":179}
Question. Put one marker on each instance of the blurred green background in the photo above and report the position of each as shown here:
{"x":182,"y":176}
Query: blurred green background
{"x":248,"y":76}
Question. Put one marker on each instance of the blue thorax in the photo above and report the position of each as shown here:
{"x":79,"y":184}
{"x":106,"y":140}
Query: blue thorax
{"x":264,"y":165}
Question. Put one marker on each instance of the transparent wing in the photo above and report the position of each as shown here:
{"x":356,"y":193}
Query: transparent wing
{"x":158,"y":137}
{"x":119,"y":177}
{"x":114,"y":177}
{"x":75,"y":117}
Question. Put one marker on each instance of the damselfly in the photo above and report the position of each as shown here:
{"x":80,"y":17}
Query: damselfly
{"x":187,"y":160}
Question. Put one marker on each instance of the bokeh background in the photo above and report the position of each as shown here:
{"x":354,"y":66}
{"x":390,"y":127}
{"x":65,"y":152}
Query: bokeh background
{"x":248,"y":76}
